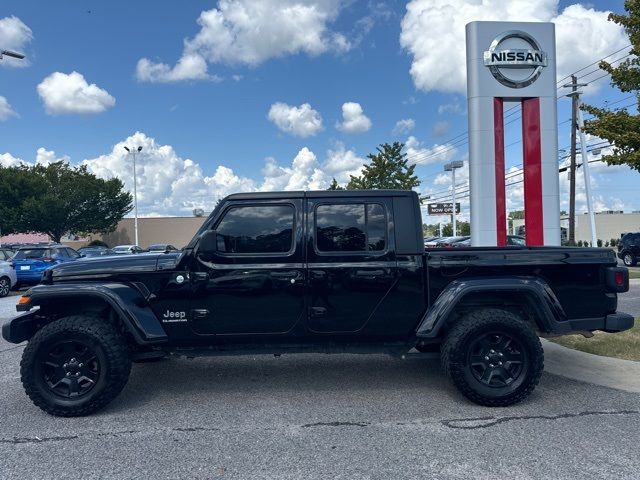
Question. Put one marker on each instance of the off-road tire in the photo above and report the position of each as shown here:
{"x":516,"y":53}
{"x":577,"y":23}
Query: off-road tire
{"x":455,"y":353}
{"x":110,"y":348}
{"x":5,"y":286}
{"x":629,"y":259}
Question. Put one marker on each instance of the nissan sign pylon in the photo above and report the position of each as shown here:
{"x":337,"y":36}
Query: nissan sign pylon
{"x":512,"y":62}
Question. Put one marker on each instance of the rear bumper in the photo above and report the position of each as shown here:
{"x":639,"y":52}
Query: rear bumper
{"x":614,"y":322}
{"x":29,"y":277}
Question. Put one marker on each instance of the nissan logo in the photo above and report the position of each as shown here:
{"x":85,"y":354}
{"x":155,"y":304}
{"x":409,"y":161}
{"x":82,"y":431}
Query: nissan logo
{"x":532,"y":58}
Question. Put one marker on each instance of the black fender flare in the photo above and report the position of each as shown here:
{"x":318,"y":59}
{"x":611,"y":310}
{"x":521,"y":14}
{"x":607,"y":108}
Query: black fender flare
{"x":127,"y":301}
{"x":549,"y":312}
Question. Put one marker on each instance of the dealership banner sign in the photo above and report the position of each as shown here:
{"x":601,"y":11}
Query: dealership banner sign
{"x":442,"y":208}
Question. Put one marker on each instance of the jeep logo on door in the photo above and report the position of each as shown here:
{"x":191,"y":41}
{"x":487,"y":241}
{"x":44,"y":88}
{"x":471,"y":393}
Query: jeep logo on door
{"x":524,"y":64}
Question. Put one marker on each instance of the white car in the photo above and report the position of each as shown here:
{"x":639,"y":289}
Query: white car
{"x":127,"y":249}
{"x":7,"y":278}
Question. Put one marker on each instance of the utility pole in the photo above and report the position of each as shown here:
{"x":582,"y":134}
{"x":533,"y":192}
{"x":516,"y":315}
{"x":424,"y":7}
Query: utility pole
{"x":578,"y":124}
{"x":572,"y":166}
{"x":133,"y":152}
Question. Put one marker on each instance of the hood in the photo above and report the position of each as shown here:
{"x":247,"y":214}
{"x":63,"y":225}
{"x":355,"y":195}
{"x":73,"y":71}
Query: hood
{"x":104,"y":267}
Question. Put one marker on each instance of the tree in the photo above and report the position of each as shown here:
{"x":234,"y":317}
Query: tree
{"x":56,"y":199}
{"x":387,"y":169}
{"x":621,"y":128}
{"x":334,"y":185}
{"x":516,"y":214}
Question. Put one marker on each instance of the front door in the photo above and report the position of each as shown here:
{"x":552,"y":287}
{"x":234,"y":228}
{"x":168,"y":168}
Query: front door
{"x":351,"y":261}
{"x":254,"y":284}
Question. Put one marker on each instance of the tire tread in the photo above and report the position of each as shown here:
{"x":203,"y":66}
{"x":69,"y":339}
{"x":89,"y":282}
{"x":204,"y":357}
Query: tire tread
{"x":115,"y":349}
{"x":452,"y":358}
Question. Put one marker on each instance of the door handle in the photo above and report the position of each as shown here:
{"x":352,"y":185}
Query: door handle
{"x":285,"y":275}
{"x":318,"y":311}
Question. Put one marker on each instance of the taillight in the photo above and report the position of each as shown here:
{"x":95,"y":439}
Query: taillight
{"x":617,"y":279}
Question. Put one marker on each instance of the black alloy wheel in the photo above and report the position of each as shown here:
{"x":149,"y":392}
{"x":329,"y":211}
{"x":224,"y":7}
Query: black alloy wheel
{"x":5,"y":287}
{"x":70,"y":368}
{"x":496,"y":359}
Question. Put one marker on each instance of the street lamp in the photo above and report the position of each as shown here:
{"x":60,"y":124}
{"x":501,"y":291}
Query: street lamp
{"x":135,"y":189}
{"x":451,"y":167}
{"x":10,"y":53}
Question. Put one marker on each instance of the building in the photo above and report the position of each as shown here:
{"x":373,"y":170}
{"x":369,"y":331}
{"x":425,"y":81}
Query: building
{"x":176,"y":231}
{"x":609,"y":225}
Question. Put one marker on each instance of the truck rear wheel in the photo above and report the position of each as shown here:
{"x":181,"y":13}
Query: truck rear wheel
{"x":74,"y":366}
{"x":493,"y":357}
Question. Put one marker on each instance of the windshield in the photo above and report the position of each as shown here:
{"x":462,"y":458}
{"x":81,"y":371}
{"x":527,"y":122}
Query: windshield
{"x":122,"y":249}
{"x":32,"y":254}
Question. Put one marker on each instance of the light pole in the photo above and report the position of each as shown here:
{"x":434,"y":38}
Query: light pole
{"x":451,"y":167}
{"x":135,"y":189}
{"x":10,"y":53}
{"x":19,"y":56}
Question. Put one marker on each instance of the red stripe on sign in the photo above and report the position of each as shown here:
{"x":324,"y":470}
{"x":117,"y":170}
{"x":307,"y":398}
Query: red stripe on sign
{"x":501,"y":203}
{"x":534,"y":225}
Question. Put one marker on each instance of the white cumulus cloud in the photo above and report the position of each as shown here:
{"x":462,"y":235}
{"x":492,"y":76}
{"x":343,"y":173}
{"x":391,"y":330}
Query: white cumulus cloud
{"x":418,"y":153}
{"x":404,"y":126}
{"x":433,"y":32}
{"x":70,"y":93}
{"x":353,"y":119}
{"x":14,"y":36}
{"x":302,"y":121}
{"x":6,"y":111}
{"x":251,"y":32}
{"x":189,"y":67}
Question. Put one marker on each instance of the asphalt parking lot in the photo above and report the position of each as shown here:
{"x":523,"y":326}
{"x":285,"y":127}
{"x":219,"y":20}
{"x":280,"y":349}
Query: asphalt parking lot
{"x":318,"y":416}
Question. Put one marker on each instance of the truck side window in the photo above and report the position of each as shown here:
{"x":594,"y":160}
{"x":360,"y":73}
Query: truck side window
{"x":352,"y":227}
{"x":256,"y":229}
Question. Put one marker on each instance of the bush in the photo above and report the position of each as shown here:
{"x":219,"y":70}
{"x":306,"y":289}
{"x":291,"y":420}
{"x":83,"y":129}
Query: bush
{"x":599,"y":243}
{"x":579,"y":244}
{"x":97,"y":243}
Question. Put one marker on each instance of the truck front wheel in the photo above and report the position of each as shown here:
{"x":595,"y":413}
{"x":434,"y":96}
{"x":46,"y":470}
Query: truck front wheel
{"x":75,"y":366}
{"x":493,"y":357}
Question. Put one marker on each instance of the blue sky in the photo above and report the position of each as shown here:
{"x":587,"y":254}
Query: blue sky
{"x":206,"y":127}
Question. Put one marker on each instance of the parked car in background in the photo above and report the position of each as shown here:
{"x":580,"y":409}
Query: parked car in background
{"x":448,"y":242}
{"x":127,"y":250}
{"x":6,"y":254}
{"x":95,"y":251}
{"x":162,"y":247}
{"x":430,"y":242}
{"x":8,"y":278}
{"x":512,"y":241}
{"x":629,"y":249}
{"x":30,"y":262}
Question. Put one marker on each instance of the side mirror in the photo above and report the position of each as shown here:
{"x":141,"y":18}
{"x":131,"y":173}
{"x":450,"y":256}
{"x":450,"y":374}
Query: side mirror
{"x":208,"y":242}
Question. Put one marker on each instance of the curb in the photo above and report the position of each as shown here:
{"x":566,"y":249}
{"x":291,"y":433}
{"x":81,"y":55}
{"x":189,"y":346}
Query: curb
{"x":589,"y":368}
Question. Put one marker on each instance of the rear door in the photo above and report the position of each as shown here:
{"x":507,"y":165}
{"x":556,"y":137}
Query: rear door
{"x":351,"y":261}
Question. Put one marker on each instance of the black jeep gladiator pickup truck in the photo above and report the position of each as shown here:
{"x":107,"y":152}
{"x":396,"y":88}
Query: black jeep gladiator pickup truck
{"x":312,"y":272}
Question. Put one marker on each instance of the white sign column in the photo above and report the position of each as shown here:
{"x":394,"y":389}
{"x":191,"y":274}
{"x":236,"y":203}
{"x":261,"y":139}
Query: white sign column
{"x":512,"y":62}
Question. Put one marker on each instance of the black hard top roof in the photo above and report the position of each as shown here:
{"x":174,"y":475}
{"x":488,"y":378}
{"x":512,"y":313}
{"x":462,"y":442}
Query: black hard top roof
{"x":320,"y":194}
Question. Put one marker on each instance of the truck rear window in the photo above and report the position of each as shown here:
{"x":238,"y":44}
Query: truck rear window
{"x":352,"y":227}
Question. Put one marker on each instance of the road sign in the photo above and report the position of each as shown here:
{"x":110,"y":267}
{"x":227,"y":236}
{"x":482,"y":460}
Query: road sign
{"x":442,"y":208}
